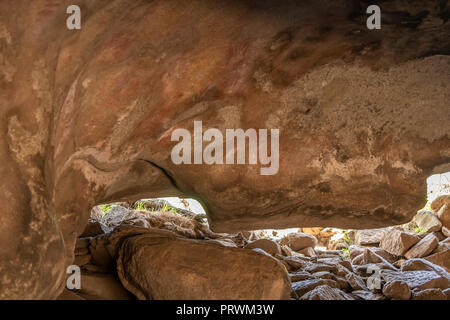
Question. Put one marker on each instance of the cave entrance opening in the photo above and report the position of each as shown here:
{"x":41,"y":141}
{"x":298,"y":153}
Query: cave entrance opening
{"x":437,"y":185}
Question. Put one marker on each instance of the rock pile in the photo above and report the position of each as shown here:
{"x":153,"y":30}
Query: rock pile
{"x":165,"y":253}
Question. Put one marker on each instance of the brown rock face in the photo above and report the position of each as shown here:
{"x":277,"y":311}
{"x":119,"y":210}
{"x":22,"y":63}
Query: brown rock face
{"x":444,"y":215}
{"x":428,"y":221}
{"x":325,"y":292}
{"x":269,"y":246}
{"x":397,"y":242}
{"x":423,"y":248}
{"x":397,"y":290}
{"x":440,"y":201}
{"x":298,"y":241}
{"x":441,"y":259}
{"x":86,"y":116}
{"x":369,"y":237}
{"x":160,"y":266}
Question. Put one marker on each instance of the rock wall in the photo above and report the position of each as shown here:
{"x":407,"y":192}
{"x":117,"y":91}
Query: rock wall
{"x":86,"y":116}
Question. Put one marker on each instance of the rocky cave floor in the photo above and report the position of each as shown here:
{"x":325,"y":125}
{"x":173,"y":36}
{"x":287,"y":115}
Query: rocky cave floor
{"x":150,"y":250}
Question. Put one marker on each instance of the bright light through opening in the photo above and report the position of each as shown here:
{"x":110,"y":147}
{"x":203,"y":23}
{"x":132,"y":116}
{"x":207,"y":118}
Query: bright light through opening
{"x":437,"y":184}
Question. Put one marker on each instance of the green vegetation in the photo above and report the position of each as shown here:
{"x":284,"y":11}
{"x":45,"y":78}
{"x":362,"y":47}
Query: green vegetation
{"x":345,"y":254}
{"x":167,"y":208}
{"x":105,"y":208}
{"x":140,"y":206}
{"x":347,"y":238}
{"x":419,"y":230}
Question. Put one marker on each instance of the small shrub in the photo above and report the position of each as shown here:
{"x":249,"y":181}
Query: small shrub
{"x":345,"y":253}
{"x":419,"y":230}
{"x":347,"y":238}
{"x":105,"y":208}
{"x":140,"y":206}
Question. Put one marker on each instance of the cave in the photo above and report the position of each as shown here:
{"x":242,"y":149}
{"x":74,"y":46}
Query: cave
{"x":321,"y":163}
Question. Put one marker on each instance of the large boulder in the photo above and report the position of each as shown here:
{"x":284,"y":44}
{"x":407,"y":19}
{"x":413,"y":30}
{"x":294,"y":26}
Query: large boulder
{"x":397,"y":242}
{"x":437,"y":203}
{"x":369,"y":237}
{"x":304,"y":286}
{"x":444,"y":215}
{"x":325,"y":292}
{"x":424,"y":264}
{"x":298,"y":241}
{"x":441,"y":259}
{"x":97,"y":286}
{"x":419,"y":279}
{"x":159,"y":265}
{"x":429,"y":294}
{"x":423,"y":248}
{"x":397,"y":290}
{"x":87,"y":116}
{"x":267,"y":245}
{"x":427,"y":221}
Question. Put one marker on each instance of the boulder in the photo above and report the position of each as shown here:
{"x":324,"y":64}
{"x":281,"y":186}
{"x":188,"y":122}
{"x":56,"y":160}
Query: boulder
{"x":424,"y":264}
{"x":447,"y":293}
{"x":325,"y":292}
{"x":250,"y":235}
{"x":69,"y":295}
{"x":440,"y":235}
{"x":288,"y":252}
{"x":355,"y":251}
{"x":369,"y":237}
{"x":158,"y":265}
{"x":267,"y":245}
{"x":342,"y":271}
{"x":417,"y":279}
{"x":228,"y":243}
{"x":356,"y":282}
{"x":312,"y":267}
{"x":385,"y":255}
{"x":369,"y":256}
{"x":342,"y":283}
{"x":300,"y":275}
{"x":367,"y":295}
{"x":293,"y":263}
{"x":398,"y":290}
{"x":324,"y":275}
{"x":441,"y":259}
{"x":332,"y":260}
{"x":445,"y":231}
{"x":398,"y":264}
{"x":423,"y":248}
{"x":309,"y":252}
{"x":99,"y":286}
{"x":397,"y":242}
{"x":82,"y":260}
{"x":82,"y":243}
{"x":444,"y":215}
{"x":428,"y":221}
{"x":437,"y":203}
{"x":358,"y":260}
{"x":312,"y":231}
{"x":441,"y":247}
{"x":93,"y":268}
{"x":429,"y":294}
{"x":93,"y":228}
{"x":305,"y":286}
{"x":325,"y":236}
{"x":81,"y":251}
{"x":298,"y":241}
{"x":101,"y":256}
